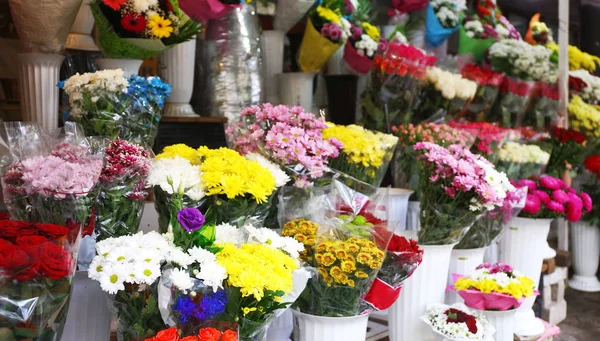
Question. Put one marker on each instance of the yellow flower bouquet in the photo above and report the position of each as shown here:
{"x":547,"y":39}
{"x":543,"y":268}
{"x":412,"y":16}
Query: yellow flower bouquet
{"x":365,"y":154}
{"x":584,"y":117}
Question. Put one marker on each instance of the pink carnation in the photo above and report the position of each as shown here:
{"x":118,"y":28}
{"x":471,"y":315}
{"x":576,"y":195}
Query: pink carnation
{"x":555,"y":206}
{"x":587,"y":201}
{"x":560,"y":196}
{"x":574,"y":212}
{"x":551,"y":182}
{"x":533,"y":204}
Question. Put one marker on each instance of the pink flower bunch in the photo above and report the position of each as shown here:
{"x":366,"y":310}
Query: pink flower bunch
{"x":356,"y":32}
{"x":289,"y":136}
{"x":124,"y":159}
{"x":549,"y":197}
{"x":488,"y":137}
{"x":495,"y":268}
{"x":440,"y":134}
{"x":70,"y":152}
{"x":332,"y":31}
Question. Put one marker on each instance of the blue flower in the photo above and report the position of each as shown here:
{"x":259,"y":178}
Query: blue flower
{"x":61,"y":84}
{"x":210,"y":306}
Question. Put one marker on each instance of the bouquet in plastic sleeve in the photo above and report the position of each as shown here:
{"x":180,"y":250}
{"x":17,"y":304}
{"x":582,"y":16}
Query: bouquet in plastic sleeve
{"x":43,"y":25}
{"x":488,"y":137}
{"x":586,"y":85}
{"x":105,"y":103}
{"x":442,"y":18}
{"x":289,"y":12}
{"x":123,"y":190}
{"x":445,"y":94}
{"x":584,"y":117}
{"x":205,"y":10}
{"x":569,"y":149}
{"x":456,"y":186}
{"x":488,"y":88}
{"x":512,"y":102}
{"x":517,"y":58}
{"x":37,"y":263}
{"x":288,"y":136}
{"x":457,"y":323}
{"x":402,"y":259}
{"x":405,"y":172}
{"x":543,"y":110}
{"x":520,"y":161}
{"x":549,"y":198}
{"x":138,"y":29}
{"x":326,"y":31}
{"x":487,"y":229}
{"x":365,"y":154}
{"x":496,"y":287}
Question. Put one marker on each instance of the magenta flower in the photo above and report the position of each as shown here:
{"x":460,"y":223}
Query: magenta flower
{"x":587,"y":201}
{"x":555,"y":206}
{"x":560,"y":196}
{"x":574,"y":212}
{"x":530,"y":184}
{"x":551,"y":182}
{"x":533,"y":204}
{"x":544,"y":197}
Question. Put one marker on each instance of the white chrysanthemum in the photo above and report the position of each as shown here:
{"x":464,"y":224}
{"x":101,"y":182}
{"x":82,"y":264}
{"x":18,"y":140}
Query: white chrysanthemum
{"x":181,"y":279}
{"x":273,"y":240}
{"x":176,"y":175}
{"x":146,"y":273}
{"x":213,"y":275}
{"x":141,"y":6}
{"x":591,"y":93}
{"x":438,"y":321}
{"x":120,"y":254}
{"x":180,"y":258}
{"x":399,"y":38}
{"x":281,"y":178}
{"x":201,"y":256}
{"x":95,"y":269}
{"x":227,"y":233}
{"x":112,"y":279}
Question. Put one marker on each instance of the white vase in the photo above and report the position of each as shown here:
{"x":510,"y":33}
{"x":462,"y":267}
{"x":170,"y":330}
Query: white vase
{"x":521,"y":246}
{"x":503,"y":322}
{"x":80,"y":37}
{"x":585,"y":241}
{"x":296,"y":88}
{"x":462,"y":262}
{"x":38,"y":76}
{"x":272,"y":51}
{"x":281,"y":328}
{"x":426,"y":286}
{"x":88,"y":312}
{"x":398,"y":206}
{"x":412,"y":217}
{"x":320,"y":328}
{"x":491,"y":253}
{"x":336,"y":64}
{"x":176,"y":67}
{"x":129,"y":66}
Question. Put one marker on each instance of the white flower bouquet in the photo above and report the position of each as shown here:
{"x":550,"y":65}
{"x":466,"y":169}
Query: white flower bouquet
{"x":442,"y":19}
{"x":520,"y":161}
{"x":458,"y":323}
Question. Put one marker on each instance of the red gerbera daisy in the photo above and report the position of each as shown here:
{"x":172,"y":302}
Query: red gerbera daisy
{"x":114,"y":4}
{"x":133,"y":22}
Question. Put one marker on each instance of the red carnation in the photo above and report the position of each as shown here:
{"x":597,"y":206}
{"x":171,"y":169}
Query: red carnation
{"x":133,"y":22}
{"x":458,"y":316}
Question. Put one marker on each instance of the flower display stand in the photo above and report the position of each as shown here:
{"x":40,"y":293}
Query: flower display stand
{"x":555,"y":306}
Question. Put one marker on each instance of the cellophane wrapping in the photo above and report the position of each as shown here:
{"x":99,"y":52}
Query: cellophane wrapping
{"x":487,"y":91}
{"x":512,"y":102}
{"x":37,"y":264}
{"x":136,"y":308}
{"x":543,"y":110}
{"x":350,"y":231}
{"x":522,"y":160}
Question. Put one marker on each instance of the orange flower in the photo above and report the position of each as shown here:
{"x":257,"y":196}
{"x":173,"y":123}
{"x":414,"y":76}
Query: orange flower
{"x":114,"y":4}
{"x":229,"y":335}
{"x":189,"y":338}
{"x":171,"y":334}
{"x":209,"y":334}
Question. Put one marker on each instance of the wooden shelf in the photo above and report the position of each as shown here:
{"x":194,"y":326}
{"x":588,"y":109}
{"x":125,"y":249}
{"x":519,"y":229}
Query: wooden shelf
{"x":208,"y":120}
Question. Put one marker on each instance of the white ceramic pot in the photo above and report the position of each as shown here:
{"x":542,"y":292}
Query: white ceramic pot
{"x":272,"y":51}
{"x":585,"y":241}
{"x":491,"y":253}
{"x":129,"y":66}
{"x":425,"y":287}
{"x":296,"y":88}
{"x":503,"y":322}
{"x":176,"y":67}
{"x":412,"y":217}
{"x":398,"y":206}
{"x":462,"y":262}
{"x":319,"y":328}
{"x":522,"y":246}
{"x":281,"y":328}
{"x":38,"y":75}
{"x":88,"y":312}
{"x":80,"y":37}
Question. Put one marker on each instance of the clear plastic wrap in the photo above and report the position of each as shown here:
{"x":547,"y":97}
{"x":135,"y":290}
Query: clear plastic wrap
{"x":520,"y":160}
{"x":136,"y":308}
{"x":289,"y":12}
{"x":487,"y":91}
{"x":543,"y":110}
{"x":37,"y":264}
{"x":512,"y":102}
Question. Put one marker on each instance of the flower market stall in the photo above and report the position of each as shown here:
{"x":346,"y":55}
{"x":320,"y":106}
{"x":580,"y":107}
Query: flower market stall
{"x":349,"y":176}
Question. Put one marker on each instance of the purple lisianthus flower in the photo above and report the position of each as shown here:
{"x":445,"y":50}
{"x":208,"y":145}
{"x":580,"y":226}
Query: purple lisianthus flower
{"x":191,"y":219}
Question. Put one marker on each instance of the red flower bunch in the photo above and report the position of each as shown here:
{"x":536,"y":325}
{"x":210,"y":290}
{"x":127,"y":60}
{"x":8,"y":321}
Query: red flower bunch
{"x":30,"y":251}
{"x":410,"y":53}
{"x":481,"y":75}
{"x":459,"y":316}
{"x":517,"y":87}
{"x":567,"y":135}
{"x":576,"y":84}
{"x":407,"y":6}
{"x":401,"y":244}
{"x":205,"y":334}
{"x":592,"y":164}
{"x":548,"y":90}
{"x":124,"y":159}
{"x":550,"y":197}
{"x":488,"y":136}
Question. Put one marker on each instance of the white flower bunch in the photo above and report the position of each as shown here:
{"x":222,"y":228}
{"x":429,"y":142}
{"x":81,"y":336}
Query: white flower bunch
{"x":528,"y":62}
{"x":366,"y":46}
{"x":281,"y":178}
{"x":248,"y":234}
{"x":523,"y":153}
{"x":90,"y":87}
{"x":177,"y":175}
{"x":499,"y":183}
{"x":202,"y":266}
{"x":502,"y":31}
{"x":346,"y":28}
{"x":437,"y":319}
{"x":399,"y":38}
{"x":135,"y":259}
{"x":448,"y":11}
{"x":473,"y":28}
{"x":450,"y":84}
{"x":591,"y":93}
{"x":502,"y":278}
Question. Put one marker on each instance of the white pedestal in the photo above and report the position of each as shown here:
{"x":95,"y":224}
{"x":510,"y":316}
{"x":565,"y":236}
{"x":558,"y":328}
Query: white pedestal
{"x":398,"y":207}
{"x":296,"y":88}
{"x":176,"y":67}
{"x":129,"y":66}
{"x":462,"y":262}
{"x":412,"y":217}
{"x":586,"y":252}
{"x":80,"y":37}
{"x":272,"y":50}
{"x":38,"y":76}
{"x":319,"y":328}
{"x":503,"y":322}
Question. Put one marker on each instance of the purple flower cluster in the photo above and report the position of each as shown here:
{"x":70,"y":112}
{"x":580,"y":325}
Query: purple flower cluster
{"x":209,"y":306}
{"x":496,"y":268}
{"x":356,"y":32}
{"x":288,"y":135}
{"x":332,"y":31}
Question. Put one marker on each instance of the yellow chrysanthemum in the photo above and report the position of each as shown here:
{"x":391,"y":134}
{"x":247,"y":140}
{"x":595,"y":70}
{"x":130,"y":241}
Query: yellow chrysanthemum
{"x":371,"y":31}
{"x":584,"y":117}
{"x":327,"y":14}
{"x":578,"y":59}
{"x":361,"y":274}
{"x":160,"y":27}
{"x":181,"y":150}
{"x":327,"y":259}
{"x":247,"y":310}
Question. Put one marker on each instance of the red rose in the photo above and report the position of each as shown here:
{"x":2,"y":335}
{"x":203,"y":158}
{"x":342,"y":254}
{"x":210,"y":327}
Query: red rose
{"x":27,"y":241}
{"x":171,"y":334}
{"x":458,"y":316}
{"x":51,"y":231}
{"x":14,"y":229}
{"x":229,"y":335}
{"x":592,"y":164}
{"x":4,"y":216}
{"x":32,"y":270}
{"x":57,"y":262}
{"x":522,"y":89}
{"x":12,"y":258}
{"x":209,"y":334}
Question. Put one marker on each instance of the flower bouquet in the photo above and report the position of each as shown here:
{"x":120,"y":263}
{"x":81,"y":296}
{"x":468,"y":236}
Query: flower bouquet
{"x":402,"y":259}
{"x":362,"y":46}
{"x":205,"y":10}
{"x":141,"y":29}
{"x":445,"y":95}
{"x":569,"y":148}
{"x":456,"y":188}
{"x":106,"y":103}
{"x":584,"y":117}
{"x":512,"y":102}
{"x":122,"y":190}
{"x":590,"y":91}
{"x":544,"y":107}
{"x":326,"y":31}
{"x":457,"y":323}
{"x":488,"y":88}
{"x":405,"y":172}
{"x":204,"y":334}
{"x":488,"y":137}
{"x":549,"y":198}
{"x":520,"y":161}
{"x":441,"y":20}
{"x":365,"y":154}
{"x":37,"y":263}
